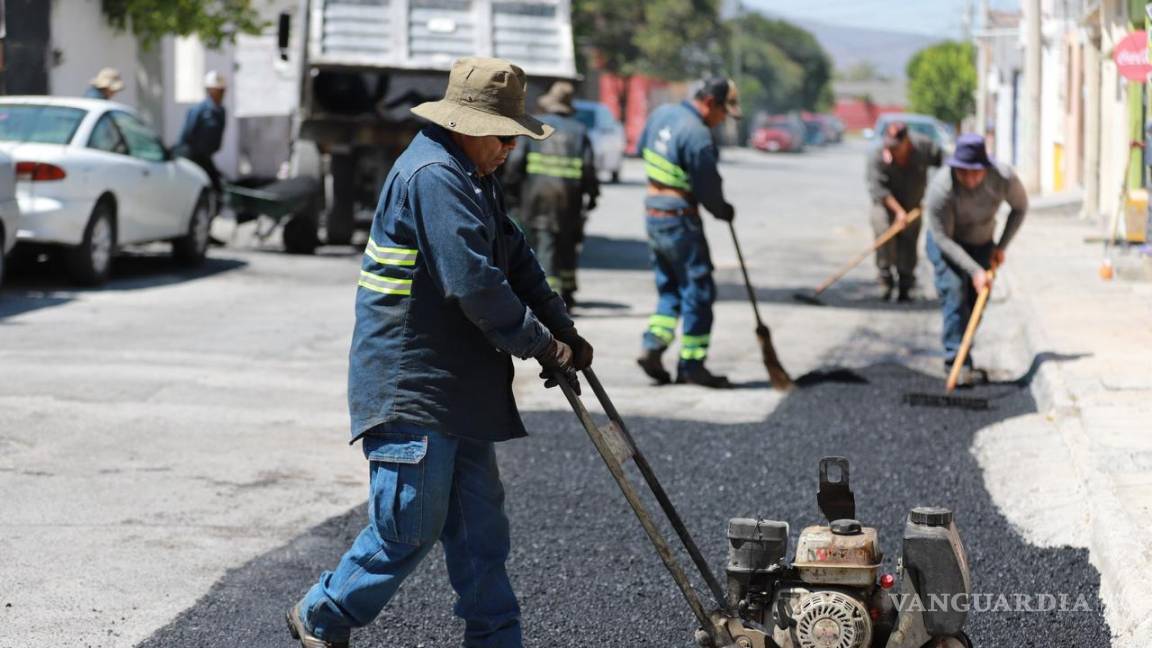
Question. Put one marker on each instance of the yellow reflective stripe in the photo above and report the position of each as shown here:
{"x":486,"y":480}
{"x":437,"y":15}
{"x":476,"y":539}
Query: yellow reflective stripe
{"x":553,"y":282}
{"x":662,"y":334}
{"x":666,"y":173}
{"x":390,"y":255}
{"x":696,"y":340}
{"x":697,"y":353}
{"x":555,"y":165}
{"x":663,"y":321}
{"x":385,"y":285}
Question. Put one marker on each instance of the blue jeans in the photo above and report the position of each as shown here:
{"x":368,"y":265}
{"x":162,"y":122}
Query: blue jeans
{"x":683,"y":268}
{"x":425,"y":487}
{"x":957,"y":296}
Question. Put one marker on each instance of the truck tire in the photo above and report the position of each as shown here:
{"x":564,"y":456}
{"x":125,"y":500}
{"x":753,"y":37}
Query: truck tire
{"x":89,"y":263}
{"x":299,"y":235}
{"x":343,"y":211}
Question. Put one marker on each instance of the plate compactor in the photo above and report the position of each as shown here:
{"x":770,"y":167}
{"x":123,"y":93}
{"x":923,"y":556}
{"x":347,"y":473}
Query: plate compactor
{"x":832,"y":594}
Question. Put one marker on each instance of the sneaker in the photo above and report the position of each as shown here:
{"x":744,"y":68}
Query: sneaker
{"x":650,"y":362}
{"x":300,"y":632}
{"x":697,"y":374}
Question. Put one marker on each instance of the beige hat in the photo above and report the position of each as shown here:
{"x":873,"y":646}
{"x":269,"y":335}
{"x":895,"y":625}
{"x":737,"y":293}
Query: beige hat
{"x":214,"y":81}
{"x":485,"y":96}
{"x":108,"y":79}
{"x":559,"y":98}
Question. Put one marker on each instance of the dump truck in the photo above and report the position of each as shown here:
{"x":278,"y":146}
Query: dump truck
{"x":364,"y":63}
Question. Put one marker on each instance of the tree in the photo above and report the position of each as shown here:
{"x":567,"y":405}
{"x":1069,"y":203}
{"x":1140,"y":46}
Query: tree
{"x":667,"y":39}
{"x":214,"y":21}
{"x":778,"y":66}
{"x":942,"y":81}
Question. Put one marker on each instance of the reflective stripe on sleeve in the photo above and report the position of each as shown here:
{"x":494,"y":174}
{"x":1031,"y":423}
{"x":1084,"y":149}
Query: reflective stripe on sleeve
{"x":390,"y":255}
{"x":558,"y":166}
{"x":385,"y":285}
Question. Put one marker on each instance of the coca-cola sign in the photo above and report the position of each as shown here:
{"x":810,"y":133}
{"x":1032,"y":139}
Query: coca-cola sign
{"x":1131,"y":56}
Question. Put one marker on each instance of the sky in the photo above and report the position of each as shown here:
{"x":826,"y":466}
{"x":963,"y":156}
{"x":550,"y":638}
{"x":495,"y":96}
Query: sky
{"x":933,"y":17}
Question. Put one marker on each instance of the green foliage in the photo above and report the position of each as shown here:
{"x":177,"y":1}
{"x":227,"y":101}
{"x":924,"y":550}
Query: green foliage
{"x":779,"y":66}
{"x":942,"y":81}
{"x":214,"y":21}
{"x":666,"y":39}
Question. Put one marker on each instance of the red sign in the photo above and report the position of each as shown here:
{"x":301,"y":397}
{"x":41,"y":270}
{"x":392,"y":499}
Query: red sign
{"x":1131,"y":56}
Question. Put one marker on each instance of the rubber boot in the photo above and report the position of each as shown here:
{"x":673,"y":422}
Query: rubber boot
{"x":650,"y":362}
{"x":695,"y":373}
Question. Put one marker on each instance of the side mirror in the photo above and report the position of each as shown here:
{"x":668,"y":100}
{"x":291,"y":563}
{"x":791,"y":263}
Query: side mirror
{"x":283,"y":34}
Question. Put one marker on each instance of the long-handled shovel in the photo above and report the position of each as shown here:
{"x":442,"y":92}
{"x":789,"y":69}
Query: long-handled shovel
{"x":888,"y":235}
{"x":776,"y":373}
{"x":948,"y":400}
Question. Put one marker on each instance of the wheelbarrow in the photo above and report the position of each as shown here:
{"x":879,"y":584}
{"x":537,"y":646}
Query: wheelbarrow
{"x":293,"y":203}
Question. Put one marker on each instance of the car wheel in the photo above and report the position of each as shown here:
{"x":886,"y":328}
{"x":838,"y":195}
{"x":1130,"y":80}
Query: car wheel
{"x":89,"y":263}
{"x":191,"y":248}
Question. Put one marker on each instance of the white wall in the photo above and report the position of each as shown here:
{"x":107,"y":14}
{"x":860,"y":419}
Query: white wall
{"x":86,"y":43}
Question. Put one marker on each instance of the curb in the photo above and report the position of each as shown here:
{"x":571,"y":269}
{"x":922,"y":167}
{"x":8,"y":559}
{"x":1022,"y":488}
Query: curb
{"x":1113,"y":539}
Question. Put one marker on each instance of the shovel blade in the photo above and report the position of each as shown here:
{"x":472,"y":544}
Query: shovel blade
{"x":777,"y":375}
{"x":807,"y":298}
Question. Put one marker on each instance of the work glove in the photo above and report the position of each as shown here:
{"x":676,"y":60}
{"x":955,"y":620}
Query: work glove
{"x":581,"y":349}
{"x":727,"y":214}
{"x":557,"y":360}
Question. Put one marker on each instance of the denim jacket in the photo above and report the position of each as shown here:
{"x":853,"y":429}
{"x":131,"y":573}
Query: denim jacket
{"x":679,"y":151}
{"x":203,"y":129}
{"x":448,"y":291}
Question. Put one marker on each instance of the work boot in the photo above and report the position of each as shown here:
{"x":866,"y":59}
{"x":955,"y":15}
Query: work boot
{"x":904,"y":296}
{"x":697,"y":374}
{"x":650,"y":362}
{"x":300,"y":632}
{"x":969,"y":375}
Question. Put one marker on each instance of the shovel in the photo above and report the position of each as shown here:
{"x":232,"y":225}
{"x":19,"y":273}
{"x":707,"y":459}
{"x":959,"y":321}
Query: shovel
{"x":948,"y":400}
{"x":776,"y":373}
{"x":888,"y":235}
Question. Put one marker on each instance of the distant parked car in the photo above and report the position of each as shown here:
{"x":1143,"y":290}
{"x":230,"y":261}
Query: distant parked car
{"x":606,"y":133}
{"x":835,"y":128}
{"x":925,"y":125}
{"x":91,"y":176}
{"x":9,"y":209}
{"x":815,"y":130}
{"x":778,"y":133}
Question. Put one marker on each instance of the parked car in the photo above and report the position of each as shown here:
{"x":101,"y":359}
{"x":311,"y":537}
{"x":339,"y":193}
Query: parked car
{"x":835,"y":128}
{"x":816,"y":132}
{"x":606,"y":133}
{"x":9,"y":210}
{"x":925,"y":125}
{"x":778,"y":133}
{"x":91,"y":176}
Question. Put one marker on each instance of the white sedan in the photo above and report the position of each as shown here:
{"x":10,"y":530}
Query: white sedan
{"x":92,"y":176}
{"x":9,"y":209}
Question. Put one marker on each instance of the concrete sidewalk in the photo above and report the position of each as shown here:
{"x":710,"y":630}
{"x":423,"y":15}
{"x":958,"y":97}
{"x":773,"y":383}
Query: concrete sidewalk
{"x":1093,"y":385}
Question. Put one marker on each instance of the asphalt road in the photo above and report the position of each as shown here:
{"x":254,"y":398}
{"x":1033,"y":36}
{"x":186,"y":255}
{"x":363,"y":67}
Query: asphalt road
{"x":180,"y":439}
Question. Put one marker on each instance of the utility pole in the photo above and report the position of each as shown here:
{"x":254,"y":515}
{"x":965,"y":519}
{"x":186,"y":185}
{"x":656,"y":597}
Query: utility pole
{"x":1030,"y":158}
{"x":984,"y":43}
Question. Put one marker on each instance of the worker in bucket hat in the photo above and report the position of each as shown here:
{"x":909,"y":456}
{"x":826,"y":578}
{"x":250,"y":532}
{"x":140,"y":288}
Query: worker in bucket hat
{"x":105,"y":84}
{"x":449,"y":292}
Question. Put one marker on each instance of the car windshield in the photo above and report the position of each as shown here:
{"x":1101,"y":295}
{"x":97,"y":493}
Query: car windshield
{"x":39,"y":124}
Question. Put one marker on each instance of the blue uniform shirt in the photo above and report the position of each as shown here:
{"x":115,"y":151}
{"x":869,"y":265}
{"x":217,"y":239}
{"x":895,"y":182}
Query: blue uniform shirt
{"x":679,"y":152}
{"x":448,"y":291}
{"x":203,"y":129}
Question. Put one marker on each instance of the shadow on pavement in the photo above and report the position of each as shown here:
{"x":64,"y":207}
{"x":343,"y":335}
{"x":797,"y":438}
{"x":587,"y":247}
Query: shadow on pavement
{"x":35,"y":285}
{"x":603,"y":253}
{"x":848,"y":294}
{"x":586,"y":575}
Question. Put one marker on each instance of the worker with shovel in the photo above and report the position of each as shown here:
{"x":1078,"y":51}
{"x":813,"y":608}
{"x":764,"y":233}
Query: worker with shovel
{"x":448,"y":292}
{"x":680,"y":160}
{"x":897,"y":175}
{"x":961,"y":207}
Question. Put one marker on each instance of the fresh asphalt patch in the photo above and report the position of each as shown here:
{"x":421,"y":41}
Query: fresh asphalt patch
{"x":586,"y":575}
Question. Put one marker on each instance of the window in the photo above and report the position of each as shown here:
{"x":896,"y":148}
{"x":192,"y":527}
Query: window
{"x":39,"y":124}
{"x":106,"y":137}
{"x":142,"y":142}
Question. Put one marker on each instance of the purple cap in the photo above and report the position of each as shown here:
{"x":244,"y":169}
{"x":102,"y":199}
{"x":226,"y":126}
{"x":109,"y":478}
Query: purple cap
{"x":970,"y":153}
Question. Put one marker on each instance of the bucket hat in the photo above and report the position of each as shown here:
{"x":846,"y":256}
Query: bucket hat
{"x":558,"y":100}
{"x":108,"y":79}
{"x":970,"y":153}
{"x":485,"y":96}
